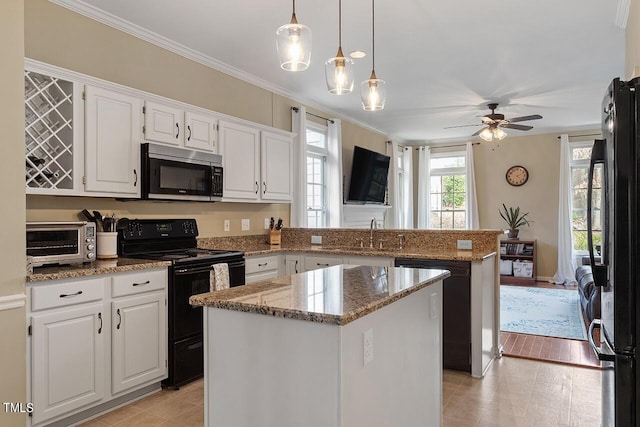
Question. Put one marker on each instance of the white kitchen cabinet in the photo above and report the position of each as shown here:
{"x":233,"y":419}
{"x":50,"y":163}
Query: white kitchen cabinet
{"x":293,"y":264}
{"x":276,"y":160}
{"x":163,"y":123}
{"x":112,"y":142}
{"x":262,"y":267}
{"x":201,"y":131}
{"x":240,"y":151}
{"x":139,"y":340}
{"x":175,"y":126}
{"x":67,"y":360}
{"x":81,"y":327}
{"x":53,"y":133}
{"x":313,"y":262}
{"x":257,"y":164}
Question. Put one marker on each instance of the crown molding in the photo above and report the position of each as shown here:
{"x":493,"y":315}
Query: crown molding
{"x":137,"y":31}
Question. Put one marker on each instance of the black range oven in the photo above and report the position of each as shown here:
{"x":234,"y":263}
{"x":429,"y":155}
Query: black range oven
{"x":174,"y":240}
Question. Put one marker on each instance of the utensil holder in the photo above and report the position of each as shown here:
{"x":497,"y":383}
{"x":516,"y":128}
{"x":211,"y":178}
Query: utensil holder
{"x":106,"y":245}
{"x":275,"y":237}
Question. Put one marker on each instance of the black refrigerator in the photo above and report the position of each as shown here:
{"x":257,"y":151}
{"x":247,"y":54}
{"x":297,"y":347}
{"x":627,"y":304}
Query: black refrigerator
{"x":618,"y":270}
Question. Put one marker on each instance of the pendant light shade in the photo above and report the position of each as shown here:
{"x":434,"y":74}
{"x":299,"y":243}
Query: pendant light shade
{"x":492,"y":132}
{"x":293,"y":41}
{"x":339,"y":70}
{"x":373,"y":91}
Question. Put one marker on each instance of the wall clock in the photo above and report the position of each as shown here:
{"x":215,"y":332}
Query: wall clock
{"x":517,"y":175}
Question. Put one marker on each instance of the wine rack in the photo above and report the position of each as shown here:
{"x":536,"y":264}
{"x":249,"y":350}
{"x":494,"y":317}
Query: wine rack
{"x":48,"y":131}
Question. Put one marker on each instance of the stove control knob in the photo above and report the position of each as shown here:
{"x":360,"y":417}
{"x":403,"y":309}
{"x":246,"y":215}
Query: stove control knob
{"x":90,"y":247}
{"x":90,"y":255}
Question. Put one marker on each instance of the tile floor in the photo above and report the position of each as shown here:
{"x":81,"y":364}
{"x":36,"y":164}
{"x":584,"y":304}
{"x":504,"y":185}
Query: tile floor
{"x":514,"y":393}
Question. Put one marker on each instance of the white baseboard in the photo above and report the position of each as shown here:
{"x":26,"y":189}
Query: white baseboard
{"x":10,"y":302}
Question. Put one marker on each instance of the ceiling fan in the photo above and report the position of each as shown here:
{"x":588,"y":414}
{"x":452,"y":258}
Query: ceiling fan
{"x":495,"y":121}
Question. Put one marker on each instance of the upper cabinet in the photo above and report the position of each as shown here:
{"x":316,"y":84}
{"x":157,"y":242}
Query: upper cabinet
{"x":257,"y":163}
{"x":53,"y":134}
{"x":112,"y":148}
{"x":171,"y":125}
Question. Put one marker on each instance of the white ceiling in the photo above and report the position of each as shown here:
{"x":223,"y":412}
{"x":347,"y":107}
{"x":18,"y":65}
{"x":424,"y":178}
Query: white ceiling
{"x":443,"y":60}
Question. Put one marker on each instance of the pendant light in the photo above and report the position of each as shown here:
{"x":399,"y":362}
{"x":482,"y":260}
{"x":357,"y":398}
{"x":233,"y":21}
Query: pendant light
{"x":339,"y":70}
{"x":373,"y":91}
{"x":293,"y":41}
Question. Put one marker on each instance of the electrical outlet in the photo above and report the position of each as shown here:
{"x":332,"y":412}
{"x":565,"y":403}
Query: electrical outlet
{"x":367,"y":347}
{"x":316,"y":240}
{"x":227,"y":225}
{"x":267,"y":223}
{"x":464,"y":244}
{"x":245,"y":224}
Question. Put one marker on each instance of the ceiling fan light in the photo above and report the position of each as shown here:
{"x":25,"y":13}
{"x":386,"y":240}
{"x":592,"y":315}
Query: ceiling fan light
{"x":293,"y":42}
{"x":373,"y":93}
{"x":499,"y":133}
{"x":339,"y":74}
{"x":486,"y":134}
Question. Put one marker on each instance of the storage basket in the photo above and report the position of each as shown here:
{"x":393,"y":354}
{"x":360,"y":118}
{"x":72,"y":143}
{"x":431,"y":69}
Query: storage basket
{"x":506,"y":267}
{"x":523,"y":268}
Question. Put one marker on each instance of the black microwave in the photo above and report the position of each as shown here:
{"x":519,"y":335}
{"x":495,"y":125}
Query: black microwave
{"x":170,"y":173}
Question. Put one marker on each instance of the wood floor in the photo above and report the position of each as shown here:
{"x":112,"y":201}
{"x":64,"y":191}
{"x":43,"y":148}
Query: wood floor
{"x":549,"y":349}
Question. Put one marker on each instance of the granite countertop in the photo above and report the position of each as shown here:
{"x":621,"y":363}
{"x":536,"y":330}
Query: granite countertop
{"x":94,"y":268}
{"x":335,"y":295}
{"x":255,"y":249}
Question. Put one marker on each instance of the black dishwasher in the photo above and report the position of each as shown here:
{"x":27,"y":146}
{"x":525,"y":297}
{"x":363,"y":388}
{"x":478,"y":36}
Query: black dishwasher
{"x":456,"y":310}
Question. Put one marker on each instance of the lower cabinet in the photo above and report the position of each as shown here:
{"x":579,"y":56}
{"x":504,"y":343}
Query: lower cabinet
{"x":80,"y":327}
{"x":262,"y":268}
{"x":138,"y":353}
{"x":314,"y":262}
{"x":67,"y":360}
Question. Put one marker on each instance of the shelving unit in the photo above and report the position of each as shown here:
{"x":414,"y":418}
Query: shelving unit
{"x":518,"y":250}
{"x":48,"y":131}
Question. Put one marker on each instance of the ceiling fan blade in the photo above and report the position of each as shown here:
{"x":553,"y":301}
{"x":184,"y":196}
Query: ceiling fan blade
{"x":462,"y":126}
{"x":517,"y":127}
{"x":525,"y":118}
{"x":478,"y":133}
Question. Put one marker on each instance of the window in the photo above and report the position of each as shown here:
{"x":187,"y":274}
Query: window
{"x":447,"y":189}
{"x":317,"y":154}
{"x":580,"y":155}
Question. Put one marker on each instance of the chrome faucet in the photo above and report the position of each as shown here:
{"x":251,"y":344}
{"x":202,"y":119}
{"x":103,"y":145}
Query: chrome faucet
{"x":374,"y":225}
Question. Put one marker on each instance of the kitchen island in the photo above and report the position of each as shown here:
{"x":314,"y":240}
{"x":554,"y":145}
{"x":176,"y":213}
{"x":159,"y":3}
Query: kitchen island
{"x":340,"y":346}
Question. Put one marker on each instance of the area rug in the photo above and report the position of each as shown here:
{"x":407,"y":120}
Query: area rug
{"x":541,"y":311}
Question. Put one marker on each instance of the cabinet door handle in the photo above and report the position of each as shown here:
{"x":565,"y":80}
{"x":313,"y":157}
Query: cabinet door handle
{"x":100,"y":328}
{"x":257,"y":187}
{"x":142,"y":284}
{"x":264,"y":184}
{"x":119,"y":319}
{"x":135,"y":174}
{"x":70,"y":295}
{"x":189,"y":129}
{"x":322,"y":265}
{"x":177,"y":130}
{"x":296,"y":268}
{"x":263,"y":265}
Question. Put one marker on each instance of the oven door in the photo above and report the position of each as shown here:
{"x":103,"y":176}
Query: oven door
{"x":177,"y":180}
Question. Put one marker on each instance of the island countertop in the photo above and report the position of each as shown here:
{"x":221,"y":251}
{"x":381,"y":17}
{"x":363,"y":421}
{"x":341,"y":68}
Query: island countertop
{"x":336,"y":295}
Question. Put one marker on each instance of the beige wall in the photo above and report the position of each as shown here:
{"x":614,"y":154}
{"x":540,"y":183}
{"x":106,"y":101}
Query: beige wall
{"x":60,"y":37}
{"x":12,"y":209}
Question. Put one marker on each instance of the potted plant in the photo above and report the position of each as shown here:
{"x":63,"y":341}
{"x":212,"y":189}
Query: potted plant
{"x":514,"y":220}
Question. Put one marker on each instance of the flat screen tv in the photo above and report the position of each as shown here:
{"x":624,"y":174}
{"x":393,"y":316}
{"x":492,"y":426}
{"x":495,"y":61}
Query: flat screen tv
{"x":369,"y":172}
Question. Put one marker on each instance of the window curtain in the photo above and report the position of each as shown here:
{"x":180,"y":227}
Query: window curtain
{"x":299,"y":202}
{"x":407,"y":165}
{"x":566,"y":265}
{"x":391,"y":218}
{"x":334,"y":172}
{"x":471,"y":197}
{"x":424,"y":188}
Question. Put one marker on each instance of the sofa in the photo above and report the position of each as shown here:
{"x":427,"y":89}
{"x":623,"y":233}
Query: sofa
{"x":589,"y":293}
